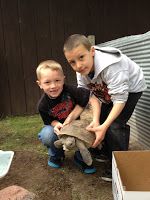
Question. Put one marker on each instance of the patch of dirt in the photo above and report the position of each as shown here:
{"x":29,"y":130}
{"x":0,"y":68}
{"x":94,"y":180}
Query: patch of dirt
{"x":30,"y":171}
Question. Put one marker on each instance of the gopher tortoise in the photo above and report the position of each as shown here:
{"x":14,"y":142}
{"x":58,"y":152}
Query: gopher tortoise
{"x":75,"y":136}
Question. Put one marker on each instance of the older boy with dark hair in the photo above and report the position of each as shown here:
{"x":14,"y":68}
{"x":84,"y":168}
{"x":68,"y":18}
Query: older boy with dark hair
{"x":116,"y":81}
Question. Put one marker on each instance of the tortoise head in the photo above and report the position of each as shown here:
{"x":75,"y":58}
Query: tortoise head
{"x":69,"y":142}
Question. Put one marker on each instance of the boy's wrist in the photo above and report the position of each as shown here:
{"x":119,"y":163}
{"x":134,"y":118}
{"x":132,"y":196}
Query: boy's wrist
{"x":106,"y":125}
{"x":54,"y":123}
{"x":96,"y":122}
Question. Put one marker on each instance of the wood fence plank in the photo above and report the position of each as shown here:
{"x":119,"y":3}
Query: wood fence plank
{"x":4,"y":82}
{"x":13,"y":56}
{"x":29,"y":52}
{"x":115,"y":19}
{"x":138,"y":16}
{"x":42,"y":30}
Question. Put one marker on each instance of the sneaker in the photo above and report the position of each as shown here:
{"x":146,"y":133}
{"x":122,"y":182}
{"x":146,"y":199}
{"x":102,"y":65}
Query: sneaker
{"x":107,"y":175}
{"x":98,"y":155}
{"x":84,"y":167}
{"x":55,"y":163}
{"x":101,"y":158}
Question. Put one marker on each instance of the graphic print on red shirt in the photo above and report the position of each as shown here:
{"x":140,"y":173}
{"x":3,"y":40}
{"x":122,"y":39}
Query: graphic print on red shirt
{"x":100,"y":91}
{"x":63,"y":109}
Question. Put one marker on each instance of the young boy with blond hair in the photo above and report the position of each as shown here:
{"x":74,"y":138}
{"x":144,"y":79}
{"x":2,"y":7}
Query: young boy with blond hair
{"x":59,"y":105}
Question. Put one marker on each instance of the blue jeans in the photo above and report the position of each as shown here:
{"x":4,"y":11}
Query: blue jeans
{"x":48,"y":137}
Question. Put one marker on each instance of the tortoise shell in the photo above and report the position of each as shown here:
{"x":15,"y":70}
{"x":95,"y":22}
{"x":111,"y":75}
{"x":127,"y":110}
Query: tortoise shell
{"x":77,"y":128}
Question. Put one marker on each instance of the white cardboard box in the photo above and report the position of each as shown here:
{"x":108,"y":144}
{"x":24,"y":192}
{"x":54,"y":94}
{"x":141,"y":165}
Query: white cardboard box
{"x":131,"y":175}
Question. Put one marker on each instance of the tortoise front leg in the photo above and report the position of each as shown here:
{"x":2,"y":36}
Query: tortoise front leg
{"x":58,"y":143}
{"x":86,"y":155}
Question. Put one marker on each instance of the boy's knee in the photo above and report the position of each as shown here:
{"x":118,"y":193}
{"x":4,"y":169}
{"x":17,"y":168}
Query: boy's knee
{"x":47,"y":135}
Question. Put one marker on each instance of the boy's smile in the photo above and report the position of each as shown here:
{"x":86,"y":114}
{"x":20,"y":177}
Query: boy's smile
{"x":80,"y":59}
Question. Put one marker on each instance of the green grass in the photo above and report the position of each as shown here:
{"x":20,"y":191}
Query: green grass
{"x":20,"y":133}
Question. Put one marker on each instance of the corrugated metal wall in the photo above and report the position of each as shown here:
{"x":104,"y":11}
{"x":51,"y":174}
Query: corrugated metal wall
{"x":137,"y":47}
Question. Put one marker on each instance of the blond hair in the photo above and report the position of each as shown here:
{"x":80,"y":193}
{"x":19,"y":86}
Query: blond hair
{"x":48,"y":64}
{"x":75,"y":40}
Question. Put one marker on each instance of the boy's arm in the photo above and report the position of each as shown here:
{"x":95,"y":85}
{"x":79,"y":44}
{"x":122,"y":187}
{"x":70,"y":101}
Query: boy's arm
{"x":57,"y":126}
{"x":76,"y":112}
{"x":100,"y":130}
{"x":72,"y":116}
{"x":114,"y":113}
{"x":96,"y":109}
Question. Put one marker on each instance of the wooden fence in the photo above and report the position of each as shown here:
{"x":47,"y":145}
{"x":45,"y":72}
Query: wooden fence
{"x":35,"y":30}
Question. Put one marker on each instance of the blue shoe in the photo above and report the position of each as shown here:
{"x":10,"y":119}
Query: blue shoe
{"x":55,"y":163}
{"x":84,"y":167}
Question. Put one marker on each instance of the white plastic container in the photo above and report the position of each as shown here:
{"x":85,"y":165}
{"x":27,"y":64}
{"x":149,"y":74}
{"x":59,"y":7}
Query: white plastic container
{"x":5,"y":162}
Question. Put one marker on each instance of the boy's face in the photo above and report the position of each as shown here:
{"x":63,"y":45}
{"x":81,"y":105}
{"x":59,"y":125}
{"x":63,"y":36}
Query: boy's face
{"x":80,"y":59}
{"x":51,"y":82}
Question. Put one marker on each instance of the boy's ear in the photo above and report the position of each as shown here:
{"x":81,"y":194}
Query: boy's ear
{"x":92,"y":51}
{"x":39,"y":84}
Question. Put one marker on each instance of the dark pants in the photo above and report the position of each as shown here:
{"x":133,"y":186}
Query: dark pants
{"x":117,"y":135}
